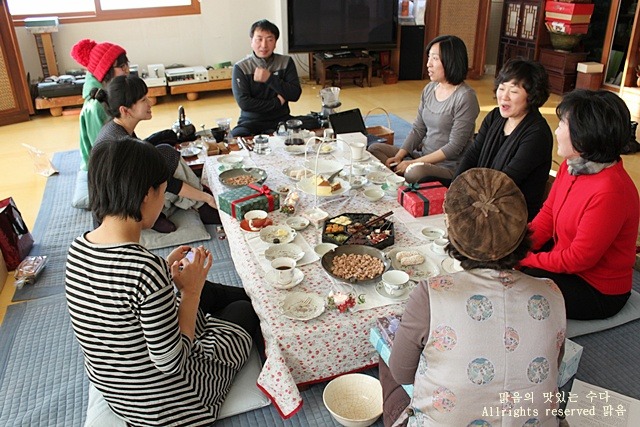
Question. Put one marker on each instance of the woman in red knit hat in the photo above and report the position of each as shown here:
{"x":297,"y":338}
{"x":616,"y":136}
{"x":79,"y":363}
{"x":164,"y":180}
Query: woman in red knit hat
{"x":103,"y":61}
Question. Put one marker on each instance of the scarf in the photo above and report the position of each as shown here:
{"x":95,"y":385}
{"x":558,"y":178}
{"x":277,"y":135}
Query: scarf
{"x":580,"y":166}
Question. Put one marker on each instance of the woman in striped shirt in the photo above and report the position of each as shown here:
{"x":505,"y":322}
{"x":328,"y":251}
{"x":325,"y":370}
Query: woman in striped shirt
{"x":160,"y":354}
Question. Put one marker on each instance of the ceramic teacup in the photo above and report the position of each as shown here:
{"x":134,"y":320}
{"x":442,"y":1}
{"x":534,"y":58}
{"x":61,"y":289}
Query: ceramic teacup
{"x":438,"y":246}
{"x":395,"y":282}
{"x":284,"y":268}
{"x":357,"y":150}
{"x":359,"y":169}
{"x":394,"y":181}
{"x":256,"y":219}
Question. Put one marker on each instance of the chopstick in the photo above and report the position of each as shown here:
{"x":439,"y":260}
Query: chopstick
{"x":369,"y":223}
{"x":247,"y":144}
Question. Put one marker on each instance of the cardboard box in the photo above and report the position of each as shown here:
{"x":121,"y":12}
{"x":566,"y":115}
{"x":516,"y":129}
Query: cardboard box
{"x":566,"y":28}
{"x":590,"y":67}
{"x":220,"y":73}
{"x":422,"y":199}
{"x":243,"y":199}
{"x":570,"y":361}
{"x":591,"y":81}
{"x":384,"y":351}
{"x":568,"y":18}
{"x":570,"y":8}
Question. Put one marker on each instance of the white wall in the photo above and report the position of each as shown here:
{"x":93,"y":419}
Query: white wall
{"x":220,"y":33}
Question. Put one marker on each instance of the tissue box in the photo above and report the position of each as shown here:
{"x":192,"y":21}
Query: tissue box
{"x":388,"y":325}
{"x":422,"y":199}
{"x":590,"y":67}
{"x":383,"y":349}
{"x":250,"y":197}
{"x":570,"y":361}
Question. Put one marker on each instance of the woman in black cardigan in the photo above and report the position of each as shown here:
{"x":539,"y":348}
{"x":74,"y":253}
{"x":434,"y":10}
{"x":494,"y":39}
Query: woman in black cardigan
{"x":515,"y":138}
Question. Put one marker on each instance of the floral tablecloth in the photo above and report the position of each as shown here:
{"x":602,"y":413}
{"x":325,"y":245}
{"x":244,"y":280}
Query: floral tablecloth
{"x":299,"y":352}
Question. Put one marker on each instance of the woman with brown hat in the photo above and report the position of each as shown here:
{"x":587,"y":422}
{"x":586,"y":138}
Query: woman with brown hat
{"x":103,"y":62}
{"x":469,"y":341}
{"x":584,"y":237}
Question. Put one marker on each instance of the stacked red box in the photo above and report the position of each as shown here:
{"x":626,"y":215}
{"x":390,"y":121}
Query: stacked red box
{"x":569,"y":13}
{"x":563,"y":27}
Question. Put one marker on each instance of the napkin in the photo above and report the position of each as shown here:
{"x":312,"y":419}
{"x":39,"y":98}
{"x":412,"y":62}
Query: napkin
{"x":371,"y":298}
{"x":258,"y":246}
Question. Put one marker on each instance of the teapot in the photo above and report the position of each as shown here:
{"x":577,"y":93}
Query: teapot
{"x":185,"y":130}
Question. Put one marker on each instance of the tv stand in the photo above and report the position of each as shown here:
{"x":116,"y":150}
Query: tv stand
{"x":321,"y":63}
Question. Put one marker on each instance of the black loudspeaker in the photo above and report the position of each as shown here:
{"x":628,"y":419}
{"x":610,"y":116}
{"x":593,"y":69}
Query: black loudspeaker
{"x":411,"y":52}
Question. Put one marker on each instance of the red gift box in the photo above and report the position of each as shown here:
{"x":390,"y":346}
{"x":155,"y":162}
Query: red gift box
{"x":569,"y":8}
{"x":422,"y":199}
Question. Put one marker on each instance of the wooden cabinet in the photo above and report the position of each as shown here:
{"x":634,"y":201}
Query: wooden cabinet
{"x":522,"y":31}
{"x":561,"y":68}
{"x":15,"y":100}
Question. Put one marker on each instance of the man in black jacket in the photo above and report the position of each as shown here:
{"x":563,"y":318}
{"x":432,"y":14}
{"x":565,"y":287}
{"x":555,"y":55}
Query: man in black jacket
{"x":264,"y":83}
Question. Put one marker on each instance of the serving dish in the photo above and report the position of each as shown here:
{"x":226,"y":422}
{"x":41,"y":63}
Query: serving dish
{"x":296,"y":173}
{"x":288,"y":250}
{"x":416,"y":272}
{"x":259,"y":176}
{"x":327,"y":262}
{"x":340,"y":230}
{"x":308,"y":186}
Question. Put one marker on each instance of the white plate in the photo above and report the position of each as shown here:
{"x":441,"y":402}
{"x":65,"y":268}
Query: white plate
{"x":450,"y":265}
{"x":297,"y":222}
{"x":358,"y":182}
{"x":290,"y":172}
{"x":308,"y":186}
{"x":365,"y":158}
{"x":378,"y":177}
{"x":416,"y":272}
{"x":298,"y":275}
{"x":190,"y":151}
{"x":432,"y":233}
{"x":403,"y":296}
{"x":230,"y":160}
{"x":283,"y":233}
{"x":302,"y":306}
{"x":295,"y":149}
{"x":324,"y":149}
{"x":288,"y":250}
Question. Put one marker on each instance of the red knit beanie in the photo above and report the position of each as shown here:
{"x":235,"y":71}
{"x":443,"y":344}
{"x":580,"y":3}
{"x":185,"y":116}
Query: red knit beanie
{"x":98,"y":58}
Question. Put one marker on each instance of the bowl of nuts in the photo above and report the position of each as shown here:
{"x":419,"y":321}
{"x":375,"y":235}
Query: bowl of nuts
{"x":356,"y":264}
{"x":242,"y":176}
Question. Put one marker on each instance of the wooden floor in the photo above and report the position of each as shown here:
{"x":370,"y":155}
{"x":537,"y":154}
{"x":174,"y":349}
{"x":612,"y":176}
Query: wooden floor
{"x":52,"y":134}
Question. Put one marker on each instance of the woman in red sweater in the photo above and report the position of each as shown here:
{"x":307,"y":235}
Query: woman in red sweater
{"x":584,"y":237}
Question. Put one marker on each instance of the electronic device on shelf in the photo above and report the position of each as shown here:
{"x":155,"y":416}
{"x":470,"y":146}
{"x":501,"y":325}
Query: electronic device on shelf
{"x":187,"y":75}
{"x":155,"y":75}
{"x":341,"y":25}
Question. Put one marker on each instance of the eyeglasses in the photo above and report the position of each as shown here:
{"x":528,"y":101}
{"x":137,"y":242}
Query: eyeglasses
{"x":122,"y":66}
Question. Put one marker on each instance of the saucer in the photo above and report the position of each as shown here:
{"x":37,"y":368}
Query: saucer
{"x":402,"y":297}
{"x":244,"y":225}
{"x":298,"y":275}
{"x":302,"y":306}
{"x":451,"y":265}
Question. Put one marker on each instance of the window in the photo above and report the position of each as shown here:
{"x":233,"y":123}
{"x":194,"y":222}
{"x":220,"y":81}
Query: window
{"x":99,"y":10}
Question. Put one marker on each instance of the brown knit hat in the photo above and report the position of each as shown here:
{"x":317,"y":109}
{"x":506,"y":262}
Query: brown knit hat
{"x":98,"y":58}
{"x":487,"y":214}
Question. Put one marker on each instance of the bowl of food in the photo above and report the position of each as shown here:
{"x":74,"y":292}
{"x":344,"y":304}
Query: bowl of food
{"x":354,"y":400}
{"x":297,"y":222}
{"x":352,"y":229}
{"x":242,"y":176}
{"x":357,"y":264}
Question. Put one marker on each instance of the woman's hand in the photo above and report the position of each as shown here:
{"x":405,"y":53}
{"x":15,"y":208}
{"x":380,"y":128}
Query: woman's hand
{"x":403,"y":165}
{"x":177,"y":254}
{"x":188,"y":276}
{"x":391,"y":160}
{"x":210,"y":200}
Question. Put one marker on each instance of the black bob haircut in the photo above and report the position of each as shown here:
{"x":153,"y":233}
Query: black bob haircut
{"x":453,"y":55}
{"x":531,"y":75}
{"x":124,"y":91}
{"x":599,"y":123}
{"x":265,"y":25}
{"x":121,"y":172}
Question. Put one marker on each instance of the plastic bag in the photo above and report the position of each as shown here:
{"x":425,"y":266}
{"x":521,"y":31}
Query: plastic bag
{"x":41,"y":162}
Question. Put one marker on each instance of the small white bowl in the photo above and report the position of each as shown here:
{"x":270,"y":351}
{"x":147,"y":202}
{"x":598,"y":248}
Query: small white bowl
{"x":373,"y":194}
{"x":297,"y":222}
{"x":358,"y":182}
{"x":432,"y":233}
{"x":354,"y":400}
{"x":323,"y":248}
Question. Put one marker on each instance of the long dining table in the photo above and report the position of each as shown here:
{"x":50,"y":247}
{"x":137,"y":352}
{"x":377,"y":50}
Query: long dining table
{"x":300,"y":352}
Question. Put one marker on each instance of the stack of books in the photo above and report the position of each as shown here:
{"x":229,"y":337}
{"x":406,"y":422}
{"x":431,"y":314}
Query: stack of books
{"x":568,"y":18}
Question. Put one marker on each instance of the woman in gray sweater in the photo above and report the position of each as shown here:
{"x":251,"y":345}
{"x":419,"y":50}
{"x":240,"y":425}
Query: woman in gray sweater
{"x":445,"y":122}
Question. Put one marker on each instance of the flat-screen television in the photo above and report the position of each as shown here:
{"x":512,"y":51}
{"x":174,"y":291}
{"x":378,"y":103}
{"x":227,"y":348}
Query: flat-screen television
{"x":333,"y":25}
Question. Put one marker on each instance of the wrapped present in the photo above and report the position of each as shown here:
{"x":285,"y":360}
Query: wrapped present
{"x":570,"y":361}
{"x":250,"y":197}
{"x":422,"y":199}
{"x":384,"y":350}
{"x":388,"y":325}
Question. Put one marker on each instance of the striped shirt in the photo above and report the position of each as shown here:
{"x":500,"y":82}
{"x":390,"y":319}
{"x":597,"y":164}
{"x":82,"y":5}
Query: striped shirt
{"x":124,"y":312}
